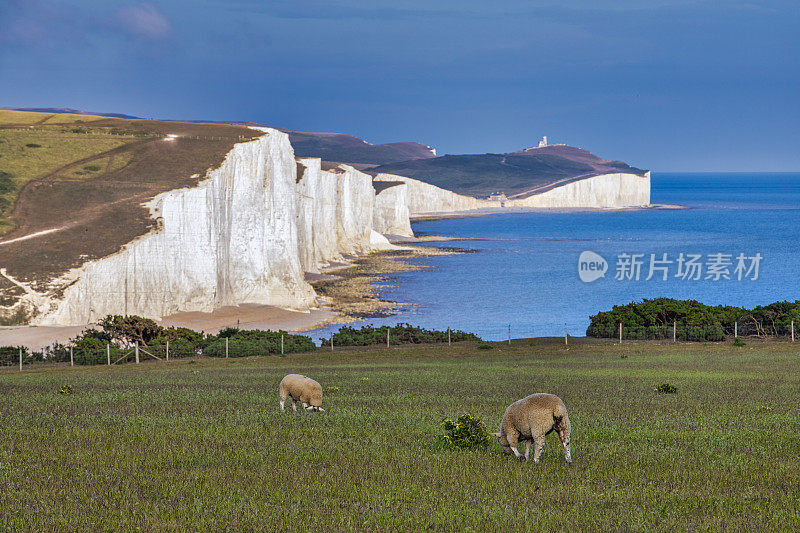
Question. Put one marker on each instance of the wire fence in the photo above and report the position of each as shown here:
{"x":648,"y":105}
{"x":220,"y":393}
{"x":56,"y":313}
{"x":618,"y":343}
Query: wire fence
{"x":110,"y":353}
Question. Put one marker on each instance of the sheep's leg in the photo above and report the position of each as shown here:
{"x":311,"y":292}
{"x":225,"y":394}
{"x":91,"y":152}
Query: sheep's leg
{"x":283,"y":400}
{"x":512,"y":443}
{"x":539,"y":442}
{"x":294,"y":405}
{"x":527,"y":449}
{"x":564,"y":436}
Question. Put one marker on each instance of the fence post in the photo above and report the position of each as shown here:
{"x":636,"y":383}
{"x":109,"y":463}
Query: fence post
{"x":331,"y":341}
{"x":20,"y":358}
{"x":674,"y":327}
{"x":137,"y":352}
{"x":448,"y":336}
{"x":565,"y":334}
{"x":71,"y":357}
{"x":281,"y":343}
{"x":226,"y":347}
{"x":387,"y":336}
{"x":509,"y":334}
{"x":108,"y":353}
{"x":736,"y":329}
{"x":792,"y":330}
{"x":620,"y":332}
{"x":167,"y":350}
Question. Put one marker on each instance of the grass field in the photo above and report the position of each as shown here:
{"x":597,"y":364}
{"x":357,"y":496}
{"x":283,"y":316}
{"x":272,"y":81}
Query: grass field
{"x":202,"y":445}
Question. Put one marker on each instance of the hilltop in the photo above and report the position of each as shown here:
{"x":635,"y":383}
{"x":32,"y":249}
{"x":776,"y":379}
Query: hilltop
{"x":517,"y":174}
{"x":343,"y":148}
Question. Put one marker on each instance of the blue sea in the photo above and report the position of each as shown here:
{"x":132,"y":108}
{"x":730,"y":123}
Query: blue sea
{"x":525,"y":272}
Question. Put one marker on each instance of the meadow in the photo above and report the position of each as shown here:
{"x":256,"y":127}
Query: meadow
{"x":202,"y":445}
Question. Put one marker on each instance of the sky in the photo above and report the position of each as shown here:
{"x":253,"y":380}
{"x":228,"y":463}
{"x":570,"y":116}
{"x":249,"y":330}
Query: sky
{"x":669,"y":85}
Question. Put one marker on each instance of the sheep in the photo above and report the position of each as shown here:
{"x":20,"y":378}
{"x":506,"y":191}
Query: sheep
{"x":530,"y":419}
{"x":302,"y":388}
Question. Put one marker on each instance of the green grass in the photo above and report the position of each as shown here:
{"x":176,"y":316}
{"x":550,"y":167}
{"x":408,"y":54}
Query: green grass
{"x":202,"y":445}
{"x":56,"y":149}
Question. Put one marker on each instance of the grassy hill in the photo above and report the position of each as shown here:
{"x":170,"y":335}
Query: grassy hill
{"x":345,"y":148}
{"x":513,"y":173}
{"x":83,"y":179}
{"x":202,"y":445}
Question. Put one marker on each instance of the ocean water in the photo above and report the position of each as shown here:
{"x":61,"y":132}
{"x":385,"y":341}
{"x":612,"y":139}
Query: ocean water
{"x":525,"y":272}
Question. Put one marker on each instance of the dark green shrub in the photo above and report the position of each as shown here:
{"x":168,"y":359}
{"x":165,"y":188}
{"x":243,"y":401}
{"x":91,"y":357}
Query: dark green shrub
{"x":247,"y":343}
{"x":33,"y":145}
{"x":398,"y":334}
{"x":65,"y":389}
{"x":91,"y":168}
{"x":738,"y":342}
{"x":666,"y":388}
{"x":485,"y":347}
{"x":466,"y":433}
{"x":9,"y":355}
{"x":6,"y":182}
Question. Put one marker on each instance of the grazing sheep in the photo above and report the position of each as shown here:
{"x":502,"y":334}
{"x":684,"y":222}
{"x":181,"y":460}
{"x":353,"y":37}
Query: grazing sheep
{"x":530,"y":419}
{"x":302,"y":388}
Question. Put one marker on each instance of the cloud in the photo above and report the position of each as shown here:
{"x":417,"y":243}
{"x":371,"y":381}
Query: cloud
{"x":145,"y":21}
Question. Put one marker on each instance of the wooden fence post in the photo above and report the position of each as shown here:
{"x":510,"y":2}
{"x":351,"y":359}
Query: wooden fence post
{"x":226,"y":347}
{"x":71,"y":357}
{"x":448,"y":337}
{"x":20,"y":358}
{"x":736,"y":329}
{"x":137,"y":352}
{"x":167,"y":350}
{"x":108,"y":353}
{"x":331,"y":341}
{"x":674,"y":327}
{"x":620,"y":332}
{"x":387,"y":336}
{"x":792,"y":330}
{"x":509,"y":334}
{"x":281,"y":343}
{"x":565,"y":334}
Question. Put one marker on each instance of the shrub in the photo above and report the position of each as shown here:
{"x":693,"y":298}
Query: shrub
{"x":9,"y":355}
{"x":666,"y":388}
{"x":738,"y":342}
{"x":246,"y":343}
{"x":485,"y":346}
{"x":466,"y":433}
{"x":398,"y":334}
{"x":65,"y":389}
{"x":91,"y":168}
{"x":33,"y":145}
{"x":6,"y":182}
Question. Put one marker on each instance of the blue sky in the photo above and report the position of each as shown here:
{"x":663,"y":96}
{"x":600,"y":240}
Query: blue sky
{"x":664,"y":84}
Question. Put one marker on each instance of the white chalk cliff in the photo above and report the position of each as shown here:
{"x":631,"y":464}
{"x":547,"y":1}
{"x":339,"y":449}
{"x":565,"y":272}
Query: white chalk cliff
{"x":251,"y":229}
{"x":604,"y":191}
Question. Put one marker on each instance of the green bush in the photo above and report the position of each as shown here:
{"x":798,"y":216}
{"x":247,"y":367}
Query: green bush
{"x":466,"y":433}
{"x":738,"y":342}
{"x":9,"y":355}
{"x":485,"y":347}
{"x":247,"y":343}
{"x":398,"y":334}
{"x":653,"y":319}
{"x":666,"y":388}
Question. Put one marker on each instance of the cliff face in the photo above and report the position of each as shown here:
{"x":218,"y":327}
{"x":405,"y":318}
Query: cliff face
{"x":355,"y":202}
{"x":318,"y":243}
{"x":605,"y":191}
{"x":230,"y":240}
{"x":425,"y":198}
{"x":391,"y":215}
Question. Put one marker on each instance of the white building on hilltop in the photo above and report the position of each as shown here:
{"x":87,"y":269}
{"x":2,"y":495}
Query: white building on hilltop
{"x":543,"y":142}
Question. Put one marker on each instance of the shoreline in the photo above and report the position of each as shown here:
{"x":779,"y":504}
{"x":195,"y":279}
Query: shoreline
{"x":490,"y":211}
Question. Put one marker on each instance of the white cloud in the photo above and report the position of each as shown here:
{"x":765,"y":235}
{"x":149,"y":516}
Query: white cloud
{"x":145,"y":21}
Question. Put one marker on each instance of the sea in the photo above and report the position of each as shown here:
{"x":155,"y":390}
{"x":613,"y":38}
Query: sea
{"x":735,"y":243}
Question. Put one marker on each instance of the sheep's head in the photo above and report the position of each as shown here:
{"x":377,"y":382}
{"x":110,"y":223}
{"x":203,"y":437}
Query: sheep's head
{"x":506,"y":449}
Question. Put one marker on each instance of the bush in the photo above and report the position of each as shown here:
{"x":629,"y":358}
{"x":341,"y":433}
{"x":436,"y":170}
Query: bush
{"x":466,"y":433}
{"x":91,"y":168}
{"x":247,"y":343}
{"x":485,"y":346}
{"x":738,"y":342}
{"x":9,"y":355}
{"x":33,"y":145}
{"x":653,"y":319}
{"x":398,"y":334}
{"x":666,"y":388}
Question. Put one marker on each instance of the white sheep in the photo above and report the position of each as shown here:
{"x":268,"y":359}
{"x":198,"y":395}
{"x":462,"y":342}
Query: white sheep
{"x":301,"y":388}
{"x":530,"y":419}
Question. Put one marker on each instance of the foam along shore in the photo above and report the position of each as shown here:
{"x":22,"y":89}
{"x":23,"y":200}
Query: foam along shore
{"x":488,"y":211}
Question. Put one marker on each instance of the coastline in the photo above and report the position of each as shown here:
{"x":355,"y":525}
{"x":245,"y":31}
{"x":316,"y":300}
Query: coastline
{"x":490,"y":211}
